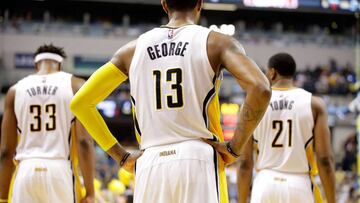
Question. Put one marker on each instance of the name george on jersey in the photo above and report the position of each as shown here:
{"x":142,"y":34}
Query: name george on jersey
{"x":282,"y":104}
{"x":42,"y":90}
{"x":167,"y":49}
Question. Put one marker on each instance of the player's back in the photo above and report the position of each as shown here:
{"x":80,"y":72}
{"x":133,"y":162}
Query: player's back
{"x":43,"y":116}
{"x":285,"y":132}
{"x":172,"y":84}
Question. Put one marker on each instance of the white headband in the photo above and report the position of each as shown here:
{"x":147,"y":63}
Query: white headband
{"x":47,"y":55}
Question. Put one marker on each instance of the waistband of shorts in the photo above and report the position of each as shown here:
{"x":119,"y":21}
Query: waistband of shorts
{"x":281,"y":173}
{"x":187,"y":150}
{"x":36,"y":160}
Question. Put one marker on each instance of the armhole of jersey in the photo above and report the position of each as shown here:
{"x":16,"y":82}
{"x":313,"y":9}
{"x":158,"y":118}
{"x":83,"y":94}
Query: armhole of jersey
{"x":311,"y":111}
{"x":205,"y":44}
{"x":15,"y":87}
{"x":71,"y":85}
{"x":310,"y":139}
{"x":136,"y":57}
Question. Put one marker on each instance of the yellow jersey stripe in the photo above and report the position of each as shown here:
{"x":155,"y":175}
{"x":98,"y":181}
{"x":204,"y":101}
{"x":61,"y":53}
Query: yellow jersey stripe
{"x":214,"y":126}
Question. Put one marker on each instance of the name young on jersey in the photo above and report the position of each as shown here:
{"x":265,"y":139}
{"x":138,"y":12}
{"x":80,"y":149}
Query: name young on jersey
{"x":167,"y":49}
{"x":282,"y":104}
{"x":42,"y":90}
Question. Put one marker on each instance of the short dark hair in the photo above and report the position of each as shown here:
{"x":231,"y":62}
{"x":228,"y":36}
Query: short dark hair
{"x":181,"y":5}
{"x":50,"y":48}
{"x":283,"y":63}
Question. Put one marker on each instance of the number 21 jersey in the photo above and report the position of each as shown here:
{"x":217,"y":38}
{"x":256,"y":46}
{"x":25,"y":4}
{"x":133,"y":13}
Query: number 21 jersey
{"x":284,"y":135}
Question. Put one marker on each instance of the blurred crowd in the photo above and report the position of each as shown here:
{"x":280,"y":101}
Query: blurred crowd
{"x":246,"y":31}
{"x":331,"y":79}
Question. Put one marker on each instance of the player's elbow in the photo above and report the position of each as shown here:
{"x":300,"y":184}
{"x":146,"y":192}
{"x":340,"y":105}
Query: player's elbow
{"x":326,"y":162}
{"x":86,"y":144}
{"x":77,"y":104}
{"x":245,"y":164}
{"x":6,"y":155}
{"x":263,"y":91}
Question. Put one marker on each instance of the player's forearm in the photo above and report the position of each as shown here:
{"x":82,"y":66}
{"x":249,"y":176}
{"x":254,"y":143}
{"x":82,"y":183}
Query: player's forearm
{"x":244,"y":181}
{"x":327,"y":176}
{"x":117,"y":152}
{"x":6,"y":172}
{"x":87,"y":165}
{"x":251,"y":113}
{"x":96,"y":89}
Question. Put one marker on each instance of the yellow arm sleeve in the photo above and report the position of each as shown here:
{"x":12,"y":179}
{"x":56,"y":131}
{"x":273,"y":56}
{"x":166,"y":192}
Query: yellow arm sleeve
{"x":99,"y":86}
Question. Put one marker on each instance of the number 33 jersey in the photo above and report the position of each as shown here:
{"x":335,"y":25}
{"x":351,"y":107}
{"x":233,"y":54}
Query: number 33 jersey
{"x":43,"y":116}
{"x":284,"y":135}
{"x":172,"y":86}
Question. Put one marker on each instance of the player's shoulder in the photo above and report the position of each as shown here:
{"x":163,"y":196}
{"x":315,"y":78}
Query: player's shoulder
{"x":221,"y":42}
{"x":25,"y":81}
{"x":76,"y":83}
{"x":10,"y":94}
{"x":318,"y":104}
{"x":297,"y":90}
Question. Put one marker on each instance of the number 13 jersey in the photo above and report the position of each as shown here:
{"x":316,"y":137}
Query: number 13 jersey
{"x":43,"y":116}
{"x":173,"y":87}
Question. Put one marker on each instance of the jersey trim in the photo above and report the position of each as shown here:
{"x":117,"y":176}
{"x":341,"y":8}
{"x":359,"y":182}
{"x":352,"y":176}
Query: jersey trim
{"x":206,"y":102}
{"x":169,"y":27}
{"x":216,"y":174}
{"x":18,"y":129}
{"x":137,"y":127}
{"x":308,"y":142}
{"x":73,"y":184}
{"x":69,"y":143}
{"x":284,"y":89}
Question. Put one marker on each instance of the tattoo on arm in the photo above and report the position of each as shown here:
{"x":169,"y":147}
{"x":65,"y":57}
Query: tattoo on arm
{"x":249,"y":114}
{"x":249,"y":119}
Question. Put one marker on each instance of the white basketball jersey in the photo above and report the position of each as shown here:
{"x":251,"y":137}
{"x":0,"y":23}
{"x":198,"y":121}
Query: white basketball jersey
{"x":43,"y":116}
{"x":172,"y":83}
{"x":285,"y":132}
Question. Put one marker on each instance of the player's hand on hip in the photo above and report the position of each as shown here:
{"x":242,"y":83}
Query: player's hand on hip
{"x":222,"y":149}
{"x":88,"y":199}
{"x":129,"y":163}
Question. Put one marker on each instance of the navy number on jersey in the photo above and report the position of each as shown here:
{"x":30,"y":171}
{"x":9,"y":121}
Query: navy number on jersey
{"x":174,"y":78}
{"x":278,"y":126}
{"x":50,"y":110}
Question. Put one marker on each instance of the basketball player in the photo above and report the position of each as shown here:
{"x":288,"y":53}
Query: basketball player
{"x":174,"y":72}
{"x":294,"y":125}
{"x":36,"y":129}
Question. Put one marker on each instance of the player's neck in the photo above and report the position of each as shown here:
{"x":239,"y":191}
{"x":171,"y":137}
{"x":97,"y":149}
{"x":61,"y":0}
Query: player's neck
{"x":46,"y":71}
{"x":178,"y":19}
{"x":284,"y":83}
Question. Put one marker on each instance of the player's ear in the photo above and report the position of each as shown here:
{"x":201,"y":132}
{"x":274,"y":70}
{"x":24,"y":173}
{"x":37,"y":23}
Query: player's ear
{"x":36,"y":66}
{"x":199,"y":5}
{"x":165,"y":6}
{"x":271,"y":74}
{"x":59,"y":67}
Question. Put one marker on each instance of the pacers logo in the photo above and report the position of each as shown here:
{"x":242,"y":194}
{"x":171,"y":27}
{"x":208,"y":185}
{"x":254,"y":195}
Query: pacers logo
{"x":171,"y":33}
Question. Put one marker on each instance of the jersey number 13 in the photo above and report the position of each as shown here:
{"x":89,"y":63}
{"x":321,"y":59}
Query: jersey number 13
{"x":174,"y":78}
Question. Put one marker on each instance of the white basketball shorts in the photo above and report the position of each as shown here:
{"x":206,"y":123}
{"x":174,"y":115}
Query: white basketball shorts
{"x":276,"y":187}
{"x":178,"y":173}
{"x":43,"y":181}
